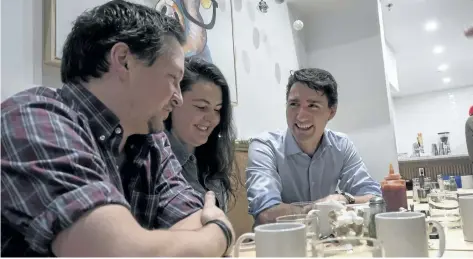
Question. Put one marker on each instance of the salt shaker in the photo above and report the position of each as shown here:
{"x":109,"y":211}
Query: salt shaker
{"x":453,"y":184}
{"x":440,"y":181}
{"x":377,"y":205}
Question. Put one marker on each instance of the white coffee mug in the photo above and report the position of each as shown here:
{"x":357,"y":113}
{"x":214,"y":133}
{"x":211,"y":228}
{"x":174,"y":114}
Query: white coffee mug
{"x":467,"y":181}
{"x":325,"y":207}
{"x":404,"y":234}
{"x":466,"y":213}
{"x":276,"y":240}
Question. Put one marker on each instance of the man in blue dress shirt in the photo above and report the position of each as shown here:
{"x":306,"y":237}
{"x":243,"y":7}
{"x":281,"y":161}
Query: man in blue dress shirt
{"x":307,"y":162}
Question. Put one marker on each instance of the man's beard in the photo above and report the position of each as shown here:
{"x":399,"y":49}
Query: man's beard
{"x":155,"y":124}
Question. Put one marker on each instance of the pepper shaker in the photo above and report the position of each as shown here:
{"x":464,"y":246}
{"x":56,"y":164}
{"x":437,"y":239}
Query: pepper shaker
{"x":377,"y":205}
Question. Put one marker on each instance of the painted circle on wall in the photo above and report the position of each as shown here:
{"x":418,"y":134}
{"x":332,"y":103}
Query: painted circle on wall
{"x":251,"y":9}
{"x":264,"y":38}
{"x":246,"y":61}
{"x":277,"y":72}
{"x":256,"y":38}
{"x":238,"y":5}
{"x":267,"y":47}
{"x":222,"y":5}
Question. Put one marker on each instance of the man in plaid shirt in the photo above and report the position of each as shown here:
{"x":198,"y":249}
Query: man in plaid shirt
{"x":81,"y":173}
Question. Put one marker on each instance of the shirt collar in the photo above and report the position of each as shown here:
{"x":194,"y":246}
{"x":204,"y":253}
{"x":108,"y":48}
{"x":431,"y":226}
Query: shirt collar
{"x":102,"y":120}
{"x":178,"y":148}
{"x":292,"y":148}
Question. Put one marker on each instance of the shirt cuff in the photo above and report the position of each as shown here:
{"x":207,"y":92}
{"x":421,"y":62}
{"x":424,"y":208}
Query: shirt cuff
{"x":367,"y":191}
{"x":67,"y":208}
{"x":264,"y":205}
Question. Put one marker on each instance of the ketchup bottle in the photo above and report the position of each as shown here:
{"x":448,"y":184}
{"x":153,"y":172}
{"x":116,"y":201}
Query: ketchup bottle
{"x":394,"y":191}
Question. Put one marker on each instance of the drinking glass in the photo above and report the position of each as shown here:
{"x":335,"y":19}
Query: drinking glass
{"x":310,"y":220}
{"x":415,"y":187}
{"x":361,"y":247}
{"x":444,"y":208}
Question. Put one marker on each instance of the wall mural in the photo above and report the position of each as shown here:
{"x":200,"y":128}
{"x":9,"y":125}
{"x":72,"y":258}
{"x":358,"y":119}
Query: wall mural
{"x":188,"y":13}
{"x":207,"y":23}
{"x":208,"y":26}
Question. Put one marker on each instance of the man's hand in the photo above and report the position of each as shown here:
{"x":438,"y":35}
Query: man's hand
{"x":211,"y":212}
{"x":307,"y":208}
{"x":341,"y":198}
{"x":334,"y":197}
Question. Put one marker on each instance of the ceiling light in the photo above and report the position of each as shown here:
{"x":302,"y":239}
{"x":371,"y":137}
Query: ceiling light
{"x":431,"y":26}
{"x":438,"y":49}
{"x":446,"y":80}
{"x":442,"y":67}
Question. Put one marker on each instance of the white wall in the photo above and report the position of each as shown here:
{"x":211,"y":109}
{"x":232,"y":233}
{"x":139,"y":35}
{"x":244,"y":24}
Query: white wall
{"x":258,"y":89}
{"x":357,"y":63}
{"x":0,"y":47}
{"x":21,"y":45}
{"x":363,"y":110}
{"x":430,"y":113}
{"x":390,"y":66}
{"x":261,"y":97}
{"x":299,"y":38}
{"x":257,"y":85}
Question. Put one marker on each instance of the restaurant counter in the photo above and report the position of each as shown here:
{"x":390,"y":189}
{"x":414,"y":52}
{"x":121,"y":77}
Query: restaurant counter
{"x":435,"y":165}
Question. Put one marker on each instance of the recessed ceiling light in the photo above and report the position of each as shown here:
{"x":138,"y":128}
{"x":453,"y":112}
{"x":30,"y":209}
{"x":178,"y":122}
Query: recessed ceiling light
{"x":438,"y":49}
{"x":446,"y":80}
{"x":442,"y":67}
{"x":431,"y":26}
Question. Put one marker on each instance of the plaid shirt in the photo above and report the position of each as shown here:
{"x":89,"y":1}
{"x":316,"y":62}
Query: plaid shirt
{"x":59,"y":159}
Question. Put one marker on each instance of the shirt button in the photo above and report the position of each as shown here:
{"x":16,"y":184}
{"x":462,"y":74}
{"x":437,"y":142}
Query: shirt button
{"x":118,"y":130}
{"x":102,"y":138}
{"x":192,"y":158}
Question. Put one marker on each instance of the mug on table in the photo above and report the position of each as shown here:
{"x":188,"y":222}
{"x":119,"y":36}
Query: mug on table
{"x":466,"y":212}
{"x":325,"y":229}
{"x":404,"y":234}
{"x":276,"y":240}
{"x":324,"y":208}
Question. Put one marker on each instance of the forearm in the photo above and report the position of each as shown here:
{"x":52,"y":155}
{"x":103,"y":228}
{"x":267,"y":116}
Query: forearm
{"x":208,"y":241}
{"x":192,"y":222}
{"x":269,"y":215}
{"x":341,"y":198}
{"x":111,"y":231}
{"x":363,"y":199}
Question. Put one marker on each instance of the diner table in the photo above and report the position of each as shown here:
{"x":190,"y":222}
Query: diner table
{"x":455,"y":247}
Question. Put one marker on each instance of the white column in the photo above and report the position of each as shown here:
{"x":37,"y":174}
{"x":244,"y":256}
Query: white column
{"x":349,"y":44}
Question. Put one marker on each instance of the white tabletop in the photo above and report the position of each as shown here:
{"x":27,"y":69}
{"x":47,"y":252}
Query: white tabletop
{"x":455,"y":245}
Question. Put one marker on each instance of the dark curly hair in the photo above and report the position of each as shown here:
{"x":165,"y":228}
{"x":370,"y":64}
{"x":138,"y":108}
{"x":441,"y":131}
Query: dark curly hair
{"x":96,"y":31}
{"x":316,"y":79}
{"x":215,"y":158}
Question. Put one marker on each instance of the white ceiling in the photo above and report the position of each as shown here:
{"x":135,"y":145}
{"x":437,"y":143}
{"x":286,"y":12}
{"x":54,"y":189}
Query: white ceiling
{"x":343,"y":20}
{"x":404,"y":32}
{"x":412,"y":44}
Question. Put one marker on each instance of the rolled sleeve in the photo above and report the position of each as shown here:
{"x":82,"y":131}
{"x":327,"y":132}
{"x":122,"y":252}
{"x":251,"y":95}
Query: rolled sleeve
{"x":177,"y":198}
{"x":51,"y":175}
{"x":263,"y":182}
{"x":355,"y":178}
{"x":64,"y":210}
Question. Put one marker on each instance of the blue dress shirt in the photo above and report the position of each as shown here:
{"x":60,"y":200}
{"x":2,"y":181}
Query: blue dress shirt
{"x":280,"y":172}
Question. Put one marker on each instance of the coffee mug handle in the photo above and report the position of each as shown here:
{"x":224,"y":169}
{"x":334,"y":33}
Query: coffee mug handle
{"x":441,"y":237}
{"x":315,"y":221}
{"x":236,"y":247}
